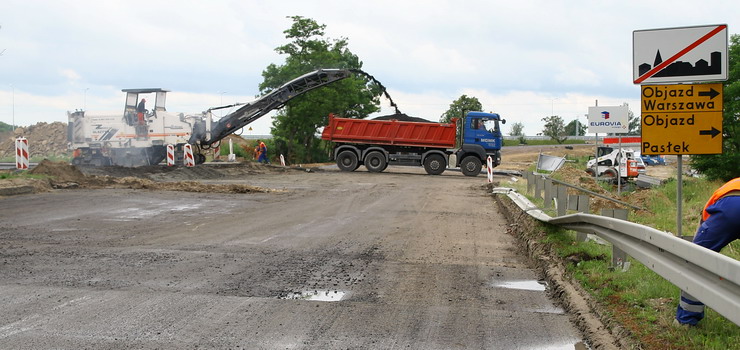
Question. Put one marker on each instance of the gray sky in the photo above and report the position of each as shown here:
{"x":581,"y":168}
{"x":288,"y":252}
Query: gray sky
{"x":522,"y":59}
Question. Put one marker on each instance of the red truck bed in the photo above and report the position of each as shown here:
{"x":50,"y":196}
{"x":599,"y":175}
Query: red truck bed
{"x":390,"y":132}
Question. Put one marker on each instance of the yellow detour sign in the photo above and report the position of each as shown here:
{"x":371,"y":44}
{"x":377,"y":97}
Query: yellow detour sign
{"x":682,"y":119}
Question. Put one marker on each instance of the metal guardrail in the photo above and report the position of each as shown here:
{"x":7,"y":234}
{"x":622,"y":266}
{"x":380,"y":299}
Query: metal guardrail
{"x":709,"y":276}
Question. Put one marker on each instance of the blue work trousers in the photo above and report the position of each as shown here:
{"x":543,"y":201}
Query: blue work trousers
{"x":721,"y":228}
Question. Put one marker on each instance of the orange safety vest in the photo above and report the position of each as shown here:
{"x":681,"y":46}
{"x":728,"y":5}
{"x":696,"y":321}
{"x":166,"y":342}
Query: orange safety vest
{"x":732,"y":185}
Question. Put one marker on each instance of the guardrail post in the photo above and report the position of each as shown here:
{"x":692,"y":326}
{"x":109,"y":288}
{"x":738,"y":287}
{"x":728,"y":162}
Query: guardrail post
{"x":576,"y":202}
{"x":530,"y":181}
{"x":583,"y":206}
{"x":539,"y":183}
{"x":548,"y":193}
{"x":562,"y":200}
{"x":572,"y":202}
{"x":619,"y":257}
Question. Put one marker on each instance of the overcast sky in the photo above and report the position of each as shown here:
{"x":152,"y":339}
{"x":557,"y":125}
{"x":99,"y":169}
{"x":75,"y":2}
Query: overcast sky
{"x":523,"y":59}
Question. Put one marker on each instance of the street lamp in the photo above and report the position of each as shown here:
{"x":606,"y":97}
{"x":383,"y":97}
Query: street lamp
{"x":222,"y":101}
{"x":552,"y":106}
{"x":84,"y":99}
{"x":13,"y":104}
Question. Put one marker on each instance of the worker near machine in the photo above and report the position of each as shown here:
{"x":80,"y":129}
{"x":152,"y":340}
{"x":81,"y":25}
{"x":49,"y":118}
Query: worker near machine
{"x":262,"y":152}
{"x":140,"y":110}
{"x":720,"y":225}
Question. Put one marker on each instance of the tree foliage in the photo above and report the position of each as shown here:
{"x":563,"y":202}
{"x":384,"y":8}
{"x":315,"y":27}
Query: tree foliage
{"x":5,"y":127}
{"x":517,"y":129}
{"x":295,"y":126}
{"x":726,"y":166}
{"x":575,"y":128}
{"x":555,"y":128}
{"x":459,"y":107}
{"x":633,"y":123}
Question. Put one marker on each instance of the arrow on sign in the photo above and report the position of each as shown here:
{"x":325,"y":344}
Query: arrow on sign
{"x":712,"y":93}
{"x":714,"y":132}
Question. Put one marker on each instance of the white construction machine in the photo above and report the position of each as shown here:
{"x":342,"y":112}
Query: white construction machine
{"x":613,"y":163}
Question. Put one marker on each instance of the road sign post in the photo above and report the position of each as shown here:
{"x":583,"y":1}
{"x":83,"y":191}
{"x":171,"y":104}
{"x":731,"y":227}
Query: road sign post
{"x":681,"y":119}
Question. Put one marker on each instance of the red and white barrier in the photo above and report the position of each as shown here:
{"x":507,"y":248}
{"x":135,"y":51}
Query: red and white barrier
{"x":21,"y":153}
{"x":170,"y":155}
{"x":217,"y":153}
{"x":188,"y":157}
{"x":282,"y":160}
{"x":489,"y":167}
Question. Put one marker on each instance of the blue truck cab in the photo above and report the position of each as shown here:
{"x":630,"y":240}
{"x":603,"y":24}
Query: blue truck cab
{"x":479,"y":138}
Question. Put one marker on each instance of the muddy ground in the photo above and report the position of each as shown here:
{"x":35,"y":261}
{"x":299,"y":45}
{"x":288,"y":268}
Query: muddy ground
{"x":411,"y":260}
{"x":418,"y":262}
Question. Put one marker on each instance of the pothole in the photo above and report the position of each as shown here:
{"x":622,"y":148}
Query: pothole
{"x":317,"y":295}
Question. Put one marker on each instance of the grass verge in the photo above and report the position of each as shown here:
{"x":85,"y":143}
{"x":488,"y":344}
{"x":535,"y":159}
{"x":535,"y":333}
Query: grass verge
{"x":640,"y":300}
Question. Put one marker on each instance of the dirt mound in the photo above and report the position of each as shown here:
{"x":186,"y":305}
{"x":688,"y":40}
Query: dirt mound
{"x":95,"y":182}
{"x":58,"y":171}
{"x":44,"y":140}
{"x":64,"y":175}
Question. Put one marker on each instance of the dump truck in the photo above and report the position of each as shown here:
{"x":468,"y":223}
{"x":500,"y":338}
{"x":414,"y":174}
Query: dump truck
{"x":379,"y":143}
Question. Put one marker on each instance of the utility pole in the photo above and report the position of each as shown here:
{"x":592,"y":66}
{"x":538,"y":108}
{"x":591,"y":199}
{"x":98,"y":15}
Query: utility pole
{"x":222,"y":101}
{"x":13,"y":104}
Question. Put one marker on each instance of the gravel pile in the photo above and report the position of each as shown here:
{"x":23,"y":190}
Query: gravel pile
{"x":44,"y":140}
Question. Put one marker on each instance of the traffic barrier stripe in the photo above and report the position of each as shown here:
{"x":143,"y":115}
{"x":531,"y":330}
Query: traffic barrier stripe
{"x":188,"y":158}
{"x":170,"y":155}
{"x":21,"y":153}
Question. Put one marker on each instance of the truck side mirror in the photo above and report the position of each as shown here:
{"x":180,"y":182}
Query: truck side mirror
{"x":503,"y":121}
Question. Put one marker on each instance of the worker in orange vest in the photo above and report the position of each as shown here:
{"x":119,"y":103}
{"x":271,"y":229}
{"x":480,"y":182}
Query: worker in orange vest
{"x":720,"y":225}
{"x":140,"y":111}
{"x":262,"y":158}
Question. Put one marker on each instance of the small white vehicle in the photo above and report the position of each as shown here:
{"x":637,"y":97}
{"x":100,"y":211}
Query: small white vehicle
{"x":613,"y":163}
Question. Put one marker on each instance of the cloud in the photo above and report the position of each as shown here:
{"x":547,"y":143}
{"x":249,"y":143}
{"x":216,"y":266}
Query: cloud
{"x":527,"y":59}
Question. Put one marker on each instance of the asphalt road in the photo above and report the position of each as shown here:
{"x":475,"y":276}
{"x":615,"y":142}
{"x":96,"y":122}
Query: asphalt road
{"x":336,"y":260}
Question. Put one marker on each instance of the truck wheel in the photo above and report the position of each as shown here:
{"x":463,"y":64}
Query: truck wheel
{"x":435,"y":164}
{"x":200,"y":158}
{"x":471,"y":166}
{"x":347,"y":161}
{"x":611,"y":172}
{"x":375,"y":162}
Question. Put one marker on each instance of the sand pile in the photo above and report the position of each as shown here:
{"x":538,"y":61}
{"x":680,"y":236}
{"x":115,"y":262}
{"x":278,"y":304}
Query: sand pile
{"x":44,"y":140}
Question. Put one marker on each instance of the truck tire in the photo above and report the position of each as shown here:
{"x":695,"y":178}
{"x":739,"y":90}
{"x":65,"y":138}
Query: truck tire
{"x":611,"y":172}
{"x":471,"y":166}
{"x":435,"y":164}
{"x":375,"y":162}
{"x":347,"y":161}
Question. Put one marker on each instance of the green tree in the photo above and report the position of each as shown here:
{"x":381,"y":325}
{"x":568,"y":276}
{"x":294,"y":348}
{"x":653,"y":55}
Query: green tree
{"x":575,"y":128}
{"x":5,"y":127}
{"x":726,"y":166}
{"x":634,"y":125}
{"x":459,"y":107}
{"x":295,"y":126}
{"x":517,"y":129}
{"x":555,"y":128}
